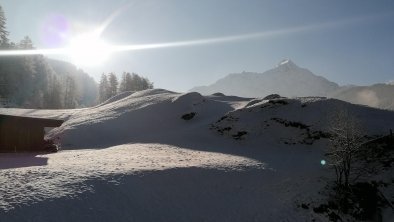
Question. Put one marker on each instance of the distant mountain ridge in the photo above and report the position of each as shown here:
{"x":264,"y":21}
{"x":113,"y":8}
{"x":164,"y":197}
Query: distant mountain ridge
{"x":378,"y":95}
{"x":288,"y":79}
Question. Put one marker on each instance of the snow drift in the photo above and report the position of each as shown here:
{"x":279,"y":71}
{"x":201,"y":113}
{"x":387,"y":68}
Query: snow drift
{"x":134,"y":158}
{"x":155,"y":116}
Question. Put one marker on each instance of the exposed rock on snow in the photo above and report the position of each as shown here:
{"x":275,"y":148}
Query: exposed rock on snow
{"x":188,"y":116}
{"x":272,"y":96}
{"x":218,"y":94}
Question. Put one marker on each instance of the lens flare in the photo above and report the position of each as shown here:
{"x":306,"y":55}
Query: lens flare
{"x":88,"y":49}
{"x":55,"y":30}
{"x":323,"y":162}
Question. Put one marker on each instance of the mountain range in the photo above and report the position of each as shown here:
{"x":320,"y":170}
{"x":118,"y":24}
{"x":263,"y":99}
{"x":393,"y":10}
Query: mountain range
{"x":289,"y":80}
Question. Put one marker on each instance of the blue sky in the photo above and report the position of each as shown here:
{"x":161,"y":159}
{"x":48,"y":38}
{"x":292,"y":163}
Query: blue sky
{"x":349,"y":42}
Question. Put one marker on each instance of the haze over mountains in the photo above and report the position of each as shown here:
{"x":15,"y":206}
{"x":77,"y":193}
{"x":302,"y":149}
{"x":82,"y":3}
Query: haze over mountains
{"x":378,"y":95}
{"x":290,"y":80}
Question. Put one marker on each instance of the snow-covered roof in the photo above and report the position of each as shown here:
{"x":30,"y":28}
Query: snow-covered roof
{"x":26,"y":120}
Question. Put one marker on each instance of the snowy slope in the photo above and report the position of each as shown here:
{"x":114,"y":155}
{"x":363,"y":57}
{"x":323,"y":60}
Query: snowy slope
{"x":134,"y":158}
{"x":148,"y":116}
{"x":155,"y":116}
{"x":299,"y":119}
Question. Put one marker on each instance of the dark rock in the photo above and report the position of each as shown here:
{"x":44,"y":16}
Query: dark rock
{"x":188,"y":116}
{"x":304,"y":206}
{"x":218,"y":94}
{"x":272,"y":96}
{"x":239,"y":135}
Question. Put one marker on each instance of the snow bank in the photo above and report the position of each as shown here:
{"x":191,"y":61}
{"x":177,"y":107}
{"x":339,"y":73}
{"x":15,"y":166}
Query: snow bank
{"x":192,"y":97}
{"x":146,"y":116}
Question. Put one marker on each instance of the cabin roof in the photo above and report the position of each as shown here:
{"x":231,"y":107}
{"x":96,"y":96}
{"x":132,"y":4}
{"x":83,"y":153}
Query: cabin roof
{"x":28,"y":121}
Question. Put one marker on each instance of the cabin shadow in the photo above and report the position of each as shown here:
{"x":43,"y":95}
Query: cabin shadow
{"x":19,"y":160}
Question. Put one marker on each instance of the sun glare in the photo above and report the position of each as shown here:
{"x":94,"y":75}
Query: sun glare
{"x":88,"y":49}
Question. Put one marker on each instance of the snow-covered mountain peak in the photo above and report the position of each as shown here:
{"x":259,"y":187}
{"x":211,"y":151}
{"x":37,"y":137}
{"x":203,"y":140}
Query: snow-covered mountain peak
{"x":286,"y":79}
{"x":287,"y":64}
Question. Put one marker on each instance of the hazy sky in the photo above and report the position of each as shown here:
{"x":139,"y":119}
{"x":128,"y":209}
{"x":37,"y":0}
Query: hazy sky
{"x":349,"y":42}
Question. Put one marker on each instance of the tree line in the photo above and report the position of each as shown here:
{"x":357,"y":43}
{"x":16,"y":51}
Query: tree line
{"x":109,"y":85}
{"x":30,"y":82}
{"x":33,"y":81}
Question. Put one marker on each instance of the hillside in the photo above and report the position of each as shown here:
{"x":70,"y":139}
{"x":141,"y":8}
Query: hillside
{"x":86,"y":86}
{"x":158,"y":155}
{"x":36,"y":81}
{"x":132,"y":113}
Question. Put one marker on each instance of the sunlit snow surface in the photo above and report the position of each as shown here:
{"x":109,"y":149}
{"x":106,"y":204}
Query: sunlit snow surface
{"x":63,"y":173}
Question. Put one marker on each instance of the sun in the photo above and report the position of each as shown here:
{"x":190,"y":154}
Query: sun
{"x":88,"y":49}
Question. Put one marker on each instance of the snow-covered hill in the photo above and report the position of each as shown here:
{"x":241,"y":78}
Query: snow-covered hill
{"x":158,"y":155}
{"x":146,"y":116}
{"x":298,"y":120}
{"x":156,"y":116}
{"x":286,"y":79}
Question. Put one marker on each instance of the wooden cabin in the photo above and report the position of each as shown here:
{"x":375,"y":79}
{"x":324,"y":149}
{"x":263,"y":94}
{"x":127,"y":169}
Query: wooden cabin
{"x":24,"y":134}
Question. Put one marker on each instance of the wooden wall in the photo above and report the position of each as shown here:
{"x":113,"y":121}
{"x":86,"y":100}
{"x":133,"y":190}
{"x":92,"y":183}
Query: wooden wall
{"x":14,"y":138}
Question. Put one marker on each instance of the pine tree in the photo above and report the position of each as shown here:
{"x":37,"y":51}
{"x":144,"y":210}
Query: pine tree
{"x":113,"y":84}
{"x":53,"y":95}
{"x":26,"y":43}
{"x":136,"y":82}
{"x":126,"y":83}
{"x":123,"y":83}
{"x":3,"y":31}
{"x":103,"y":88}
{"x":70,"y":93}
{"x":146,"y":84}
